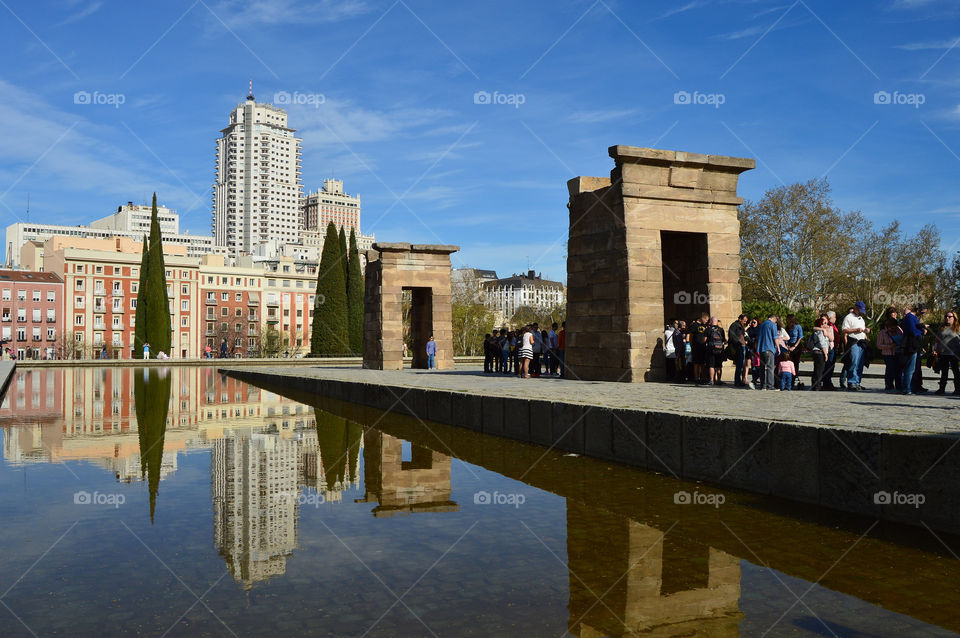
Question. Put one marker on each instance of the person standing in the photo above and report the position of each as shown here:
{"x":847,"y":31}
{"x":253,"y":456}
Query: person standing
{"x":223,"y":348}
{"x":795,"y":341}
{"x":431,"y":353}
{"x":505,"y":343}
{"x":146,"y":350}
{"x":767,"y":348}
{"x":820,"y":342}
{"x":737,"y":334}
{"x":670,"y":350}
{"x":890,"y":343}
{"x":525,"y":350}
{"x":487,"y":353}
{"x":697,"y":336}
{"x":787,"y":371}
{"x":537,"y":349}
{"x":554,"y":350}
{"x":716,"y":340}
{"x":856,"y":331}
{"x":562,"y":348}
{"x":947,"y":349}
{"x":912,"y":345}
{"x":836,"y":349}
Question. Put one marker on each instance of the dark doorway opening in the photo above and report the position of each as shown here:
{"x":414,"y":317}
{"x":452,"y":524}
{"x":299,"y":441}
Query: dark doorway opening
{"x":421,"y":324}
{"x":685,"y":275}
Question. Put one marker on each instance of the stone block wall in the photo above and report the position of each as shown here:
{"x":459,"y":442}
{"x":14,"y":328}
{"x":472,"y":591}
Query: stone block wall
{"x":621,"y":283}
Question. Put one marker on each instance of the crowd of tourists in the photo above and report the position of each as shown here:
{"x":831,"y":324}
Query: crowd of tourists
{"x":527,"y":352}
{"x":767,"y":352}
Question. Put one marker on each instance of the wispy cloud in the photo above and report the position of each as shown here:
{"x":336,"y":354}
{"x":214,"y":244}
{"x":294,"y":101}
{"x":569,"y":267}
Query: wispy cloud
{"x":681,"y":8}
{"x":911,"y":4}
{"x":85,"y":12}
{"x":601,"y":115}
{"x":239,"y":14}
{"x":929,"y":45}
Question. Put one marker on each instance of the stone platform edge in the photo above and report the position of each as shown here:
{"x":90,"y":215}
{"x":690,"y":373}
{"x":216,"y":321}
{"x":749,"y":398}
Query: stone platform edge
{"x":848,"y":470}
{"x":133,"y":363}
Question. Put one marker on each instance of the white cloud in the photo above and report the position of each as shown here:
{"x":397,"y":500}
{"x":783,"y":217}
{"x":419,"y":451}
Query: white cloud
{"x":246,"y":13}
{"x":930,"y":45}
{"x":601,"y":115}
{"x":85,"y":12}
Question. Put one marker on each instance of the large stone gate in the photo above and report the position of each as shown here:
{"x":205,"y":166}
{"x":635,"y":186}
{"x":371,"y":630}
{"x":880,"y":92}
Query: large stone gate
{"x":424,"y":270}
{"x":657,"y":239}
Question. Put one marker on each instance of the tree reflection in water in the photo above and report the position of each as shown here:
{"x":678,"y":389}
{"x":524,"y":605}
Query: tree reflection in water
{"x":151,"y":391}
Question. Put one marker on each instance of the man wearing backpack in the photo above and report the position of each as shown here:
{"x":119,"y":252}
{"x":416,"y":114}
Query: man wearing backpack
{"x":737,"y":333}
{"x":697,"y":336}
{"x":716,"y":341}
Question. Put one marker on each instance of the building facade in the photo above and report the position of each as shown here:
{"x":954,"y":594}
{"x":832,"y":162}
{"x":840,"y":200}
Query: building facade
{"x":509,"y":294}
{"x":31,"y":304}
{"x":257,"y":192}
{"x":131,"y":221}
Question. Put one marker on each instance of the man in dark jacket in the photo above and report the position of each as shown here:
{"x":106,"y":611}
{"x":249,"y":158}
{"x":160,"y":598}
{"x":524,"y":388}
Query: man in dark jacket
{"x":737,"y":335}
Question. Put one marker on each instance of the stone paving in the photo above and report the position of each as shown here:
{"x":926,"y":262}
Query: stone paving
{"x":871,"y":410}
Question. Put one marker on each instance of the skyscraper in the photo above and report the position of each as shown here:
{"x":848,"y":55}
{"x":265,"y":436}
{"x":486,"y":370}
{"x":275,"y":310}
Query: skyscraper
{"x":256,"y":196}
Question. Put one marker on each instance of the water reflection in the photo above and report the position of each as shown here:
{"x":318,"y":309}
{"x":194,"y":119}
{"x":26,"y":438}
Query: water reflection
{"x":609,"y":555}
{"x":151,"y":391}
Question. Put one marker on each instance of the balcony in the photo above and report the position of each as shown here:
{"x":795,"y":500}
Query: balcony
{"x":51,"y":320}
{"x":6,"y":317}
{"x":273,"y":320}
{"x":210,"y":333}
{"x":52,"y":337}
{"x":119,"y":309}
{"x":99,"y":308}
{"x":210,"y":302}
{"x":100,"y":292}
{"x":118,"y":292}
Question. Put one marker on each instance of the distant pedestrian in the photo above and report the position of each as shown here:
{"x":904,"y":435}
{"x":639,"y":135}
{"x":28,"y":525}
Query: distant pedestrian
{"x":819,"y":346}
{"x":670,"y":350}
{"x":767,"y":348}
{"x":146,"y":350}
{"x":890,"y":344}
{"x":525,"y":349}
{"x":431,"y":353}
{"x":737,"y":336}
{"x":856,"y":331}
{"x":912,"y":346}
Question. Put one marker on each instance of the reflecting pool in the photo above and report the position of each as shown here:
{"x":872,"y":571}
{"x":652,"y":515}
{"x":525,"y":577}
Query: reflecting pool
{"x":181,"y":502}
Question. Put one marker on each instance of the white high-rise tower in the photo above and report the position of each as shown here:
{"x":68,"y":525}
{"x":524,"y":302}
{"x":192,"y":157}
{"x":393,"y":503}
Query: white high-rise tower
{"x":257,"y":194}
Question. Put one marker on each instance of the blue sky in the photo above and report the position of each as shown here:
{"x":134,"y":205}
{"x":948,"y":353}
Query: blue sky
{"x":398,"y":122}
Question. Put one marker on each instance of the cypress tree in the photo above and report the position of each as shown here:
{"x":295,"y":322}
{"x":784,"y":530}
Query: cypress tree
{"x":342,"y":237}
{"x":140,"y":322}
{"x":330,"y":335}
{"x":151,"y":391}
{"x":355,"y":297}
{"x":157,"y":311}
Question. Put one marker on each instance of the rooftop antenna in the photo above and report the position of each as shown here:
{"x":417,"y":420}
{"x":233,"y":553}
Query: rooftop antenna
{"x":250,"y":94}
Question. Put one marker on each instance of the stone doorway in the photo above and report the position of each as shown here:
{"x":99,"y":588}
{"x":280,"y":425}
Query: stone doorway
{"x":421,"y":324}
{"x":424,"y":271}
{"x":685,"y":275}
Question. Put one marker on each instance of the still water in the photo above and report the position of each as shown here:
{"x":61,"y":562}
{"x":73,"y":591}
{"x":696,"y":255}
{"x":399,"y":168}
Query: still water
{"x":180,"y":502}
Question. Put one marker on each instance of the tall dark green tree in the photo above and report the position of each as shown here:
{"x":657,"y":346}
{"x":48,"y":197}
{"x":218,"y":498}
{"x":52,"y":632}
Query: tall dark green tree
{"x":355,"y":297}
{"x":342,"y":237}
{"x":330,"y":336}
{"x":155,"y":299}
{"x":140,"y":322}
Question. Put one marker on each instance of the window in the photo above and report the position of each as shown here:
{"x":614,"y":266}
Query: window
{"x":224,"y":296}
{"x":78,"y":337}
{"x":271,"y":282}
{"x":238,"y":297}
{"x":184,"y":274}
{"x":184,"y":321}
{"x":79,"y":284}
{"x":167,"y":274}
{"x":184,"y":290}
{"x":98,"y":270}
{"x":78,"y":320}
{"x":135,"y":272}
{"x":116,"y":286}
{"x":6,"y":294}
{"x":21,"y":295}
{"x":209,"y":326}
{"x":78,"y":268}
{"x":286,"y":312}
{"x":185,"y":305}
{"x":239,"y":327}
{"x":224,"y":326}
{"x":51,"y":295}
{"x":133,"y":304}
{"x":21,"y":334}
{"x":51,"y":334}
{"x":224,"y":312}
{"x":134,"y":287}
{"x":51,"y":315}
{"x":36,"y":295}
{"x":36,"y":315}
{"x":116,"y":270}
{"x":116,"y":322}
{"x":78,"y":302}
{"x":211,"y":297}
{"x":21,"y":314}
{"x":239,"y":311}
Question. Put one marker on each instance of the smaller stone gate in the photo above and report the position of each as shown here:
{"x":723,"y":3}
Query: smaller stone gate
{"x":424,"y":270}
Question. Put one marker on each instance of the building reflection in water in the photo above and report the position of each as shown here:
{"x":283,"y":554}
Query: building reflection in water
{"x":270,"y":454}
{"x":628,"y":579}
{"x":419,"y":484}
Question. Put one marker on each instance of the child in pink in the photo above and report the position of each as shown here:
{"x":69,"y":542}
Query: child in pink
{"x":787,"y":371}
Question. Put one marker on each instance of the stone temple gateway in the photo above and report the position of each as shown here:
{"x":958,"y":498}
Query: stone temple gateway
{"x":424,"y":270}
{"x":657,"y":239}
